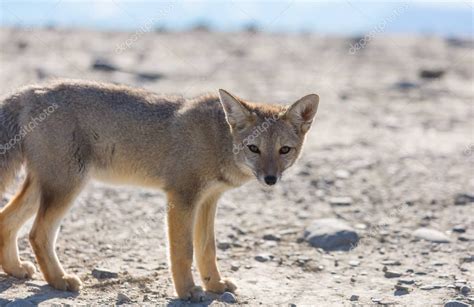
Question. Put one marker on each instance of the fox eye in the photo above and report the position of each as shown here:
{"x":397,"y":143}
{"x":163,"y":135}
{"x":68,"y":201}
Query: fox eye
{"x":254,"y":149}
{"x":284,"y":150}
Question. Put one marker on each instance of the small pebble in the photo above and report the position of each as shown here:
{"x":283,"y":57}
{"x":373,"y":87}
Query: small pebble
{"x":102,"y":273}
{"x":235,"y":267}
{"x":223,"y":245}
{"x":104,"y":65}
{"x":391,"y":262}
{"x":467,"y":259}
{"x":406,"y":281}
{"x":465,"y":290}
{"x":431,"y":73}
{"x":465,"y":238}
{"x":263,"y":257}
{"x":271,"y":237}
{"x":122,"y":298}
{"x":405,"y":85}
{"x":340,"y":201}
{"x":459,"y":229}
{"x":228,"y":297}
{"x":402,"y":288}
{"x":392,"y":274}
{"x":354,"y":297}
{"x":463,"y":199}
{"x":386,"y":302}
{"x":430,"y":287}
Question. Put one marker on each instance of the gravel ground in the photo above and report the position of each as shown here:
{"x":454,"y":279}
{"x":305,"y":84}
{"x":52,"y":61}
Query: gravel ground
{"x":390,"y":152}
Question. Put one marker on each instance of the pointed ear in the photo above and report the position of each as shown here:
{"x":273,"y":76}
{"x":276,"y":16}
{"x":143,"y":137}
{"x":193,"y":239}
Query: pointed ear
{"x":301,"y":113}
{"x":236,"y":113}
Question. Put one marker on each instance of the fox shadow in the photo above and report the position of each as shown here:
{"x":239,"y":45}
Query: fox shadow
{"x":44,"y":292}
{"x":41,"y":293}
{"x":209,"y":299}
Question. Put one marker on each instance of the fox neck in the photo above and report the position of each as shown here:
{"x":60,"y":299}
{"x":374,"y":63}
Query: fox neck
{"x":232,"y":172}
{"x":237,"y":175}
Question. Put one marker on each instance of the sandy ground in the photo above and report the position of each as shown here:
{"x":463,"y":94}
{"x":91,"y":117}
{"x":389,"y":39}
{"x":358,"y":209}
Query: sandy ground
{"x":400,"y":146}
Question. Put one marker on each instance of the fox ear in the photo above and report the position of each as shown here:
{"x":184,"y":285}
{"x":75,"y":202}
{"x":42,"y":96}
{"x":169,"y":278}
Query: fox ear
{"x":236,"y":113}
{"x":301,"y":113}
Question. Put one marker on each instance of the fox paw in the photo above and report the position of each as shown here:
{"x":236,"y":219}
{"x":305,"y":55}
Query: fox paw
{"x":221,"y":286}
{"x":195,"y":294}
{"x":25,"y":270}
{"x":68,"y":282}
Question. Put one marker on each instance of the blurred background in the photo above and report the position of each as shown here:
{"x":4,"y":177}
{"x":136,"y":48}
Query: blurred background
{"x":447,"y":18}
{"x":390,"y":155}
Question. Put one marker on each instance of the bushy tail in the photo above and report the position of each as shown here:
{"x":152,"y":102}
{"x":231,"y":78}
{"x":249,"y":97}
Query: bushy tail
{"x":11,"y":156}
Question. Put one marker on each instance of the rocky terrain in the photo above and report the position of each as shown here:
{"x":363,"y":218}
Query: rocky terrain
{"x":379,"y":209}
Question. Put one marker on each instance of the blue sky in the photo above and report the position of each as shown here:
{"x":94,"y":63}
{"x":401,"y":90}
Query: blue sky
{"x":449,"y":18}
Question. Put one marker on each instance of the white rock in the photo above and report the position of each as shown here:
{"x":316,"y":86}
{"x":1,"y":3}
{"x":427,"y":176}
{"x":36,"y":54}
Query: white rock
{"x":431,"y":235}
{"x":342,"y":174}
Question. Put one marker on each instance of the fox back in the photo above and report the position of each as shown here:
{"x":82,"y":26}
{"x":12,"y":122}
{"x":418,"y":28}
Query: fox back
{"x":120,"y":134}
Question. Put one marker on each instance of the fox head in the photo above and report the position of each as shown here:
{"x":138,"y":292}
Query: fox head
{"x":268,"y":138}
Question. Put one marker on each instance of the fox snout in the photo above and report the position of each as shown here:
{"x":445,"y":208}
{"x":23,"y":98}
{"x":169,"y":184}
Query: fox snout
{"x":270,"y":180}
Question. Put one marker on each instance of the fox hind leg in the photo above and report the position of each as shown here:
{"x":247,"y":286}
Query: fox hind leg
{"x":22,"y":207}
{"x":54,"y":204}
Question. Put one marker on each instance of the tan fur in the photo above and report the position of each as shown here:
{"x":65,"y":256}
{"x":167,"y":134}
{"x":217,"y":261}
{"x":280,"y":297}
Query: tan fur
{"x":119,"y":134}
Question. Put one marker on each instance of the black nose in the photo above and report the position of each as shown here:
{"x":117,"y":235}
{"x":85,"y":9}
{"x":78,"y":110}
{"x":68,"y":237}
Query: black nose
{"x":270,"y":180}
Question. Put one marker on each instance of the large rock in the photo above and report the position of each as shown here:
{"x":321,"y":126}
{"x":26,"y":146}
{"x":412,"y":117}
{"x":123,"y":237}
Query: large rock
{"x":331,"y":234}
{"x":456,"y":304}
{"x":431,"y":235}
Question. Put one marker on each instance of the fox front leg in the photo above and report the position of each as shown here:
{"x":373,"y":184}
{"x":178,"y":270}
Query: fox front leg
{"x":205,"y":247}
{"x":180,"y":234}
